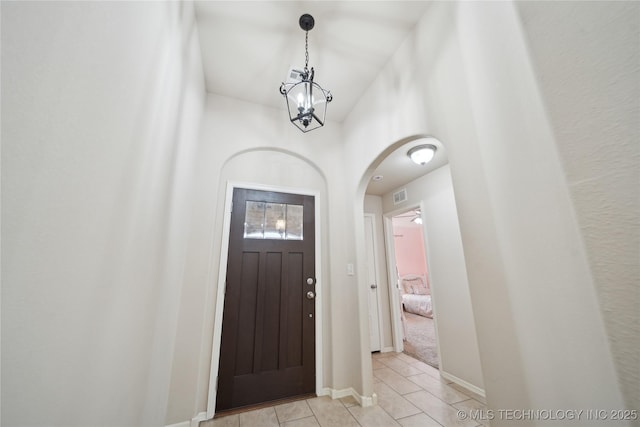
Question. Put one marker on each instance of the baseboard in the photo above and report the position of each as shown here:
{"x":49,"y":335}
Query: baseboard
{"x":335,"y":394}
{"x":462,"y":383}
{"x":363,"y":401}
{"x":195,"y":421}
{"x":387,"y":350}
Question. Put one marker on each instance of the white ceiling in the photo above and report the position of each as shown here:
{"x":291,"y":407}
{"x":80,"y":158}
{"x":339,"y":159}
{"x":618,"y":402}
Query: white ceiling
{"x":397,"y":168}
{"x":249,"y":46}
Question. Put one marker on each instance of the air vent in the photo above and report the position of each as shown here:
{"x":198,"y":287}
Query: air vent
{"x":400,"y":196}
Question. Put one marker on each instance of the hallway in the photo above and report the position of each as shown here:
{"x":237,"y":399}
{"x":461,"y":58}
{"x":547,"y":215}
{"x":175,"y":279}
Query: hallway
{"x":410,"y":393}
{"x":127,"y":124}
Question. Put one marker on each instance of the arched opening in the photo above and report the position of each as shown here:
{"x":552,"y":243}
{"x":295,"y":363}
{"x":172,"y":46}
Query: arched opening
{"x":429,"y":190}
{"x":387,"y":177}
{"x":269,"y":170}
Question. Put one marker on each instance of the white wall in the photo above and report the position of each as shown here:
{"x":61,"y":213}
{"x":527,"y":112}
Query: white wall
{"x":234,"y":132}
{"x":458,"y":347}
{"x":101,"y":104}
{"x":264,"y":167}
{"x":465,"y":76}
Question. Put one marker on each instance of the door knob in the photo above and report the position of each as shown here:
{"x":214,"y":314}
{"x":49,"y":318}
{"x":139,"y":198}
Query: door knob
{"x":311,"y":295}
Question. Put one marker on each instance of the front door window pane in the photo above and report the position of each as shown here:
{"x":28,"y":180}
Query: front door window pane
{"x":254,"y":220}
{"x":273,"y":221}
{"x":294,"y":222}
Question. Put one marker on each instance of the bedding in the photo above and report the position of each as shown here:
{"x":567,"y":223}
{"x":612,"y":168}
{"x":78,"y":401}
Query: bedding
{"x":416,"y":295}
{"x":418,"y":304}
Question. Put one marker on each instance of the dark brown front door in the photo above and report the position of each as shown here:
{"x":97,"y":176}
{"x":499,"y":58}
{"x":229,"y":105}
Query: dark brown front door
{"x":268,"y":328}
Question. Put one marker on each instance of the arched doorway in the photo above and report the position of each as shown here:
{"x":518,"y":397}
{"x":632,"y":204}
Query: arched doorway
{"x":387,"y":175}
{"x":284,"y":172}
{"x":431,"y":191}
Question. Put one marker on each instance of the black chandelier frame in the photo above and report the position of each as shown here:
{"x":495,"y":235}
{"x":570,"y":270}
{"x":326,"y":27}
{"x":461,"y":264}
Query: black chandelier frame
{"x":305,"y":112}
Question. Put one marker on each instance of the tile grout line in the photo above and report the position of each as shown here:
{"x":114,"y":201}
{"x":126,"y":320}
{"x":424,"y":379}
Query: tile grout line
{"x":394,"y":364}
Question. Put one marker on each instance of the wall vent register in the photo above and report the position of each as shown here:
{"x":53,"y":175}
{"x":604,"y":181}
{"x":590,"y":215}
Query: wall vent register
{"x":400,"y":196}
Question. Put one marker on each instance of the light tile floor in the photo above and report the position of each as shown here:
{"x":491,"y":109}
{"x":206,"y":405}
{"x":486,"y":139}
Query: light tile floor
{"x":410,"y":394}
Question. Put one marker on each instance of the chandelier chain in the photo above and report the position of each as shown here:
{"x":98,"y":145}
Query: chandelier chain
{"x":306,"y":51}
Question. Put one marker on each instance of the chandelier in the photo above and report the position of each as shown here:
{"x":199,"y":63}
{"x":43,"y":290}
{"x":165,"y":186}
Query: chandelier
{"x":306,"y":100}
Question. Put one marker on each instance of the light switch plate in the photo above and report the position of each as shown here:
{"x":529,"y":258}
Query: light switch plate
{"x":350,"y":270}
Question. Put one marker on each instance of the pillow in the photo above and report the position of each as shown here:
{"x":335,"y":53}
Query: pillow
{"x":405,"y":287}
{"x":421,"y":290}
{"x":414,"y":285}
{"x":410,"y":285}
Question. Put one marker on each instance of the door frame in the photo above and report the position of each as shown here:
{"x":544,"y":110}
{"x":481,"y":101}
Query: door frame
{"x":222,"y":275}
{"x":376,"y":265}
{"x":396,"y":324}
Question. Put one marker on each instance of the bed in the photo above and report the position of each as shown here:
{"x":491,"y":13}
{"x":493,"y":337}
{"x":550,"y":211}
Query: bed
{"x":416,"y":295}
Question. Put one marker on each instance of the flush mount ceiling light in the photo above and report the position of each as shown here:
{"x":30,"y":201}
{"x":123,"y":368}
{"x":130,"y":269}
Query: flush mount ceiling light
{"x":306,"y":100}
{"x":422,"y":154}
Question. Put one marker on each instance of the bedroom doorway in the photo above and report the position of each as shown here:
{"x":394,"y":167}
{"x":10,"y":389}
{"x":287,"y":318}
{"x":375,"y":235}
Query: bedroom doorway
{"x":416,"y":308}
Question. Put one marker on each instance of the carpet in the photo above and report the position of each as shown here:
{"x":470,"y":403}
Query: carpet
{"x":421,"y":339}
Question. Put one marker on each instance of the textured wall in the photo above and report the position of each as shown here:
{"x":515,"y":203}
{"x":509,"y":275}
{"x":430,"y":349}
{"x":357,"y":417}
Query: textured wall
{"x":541,"y":254}
{"x":587,"y":59}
